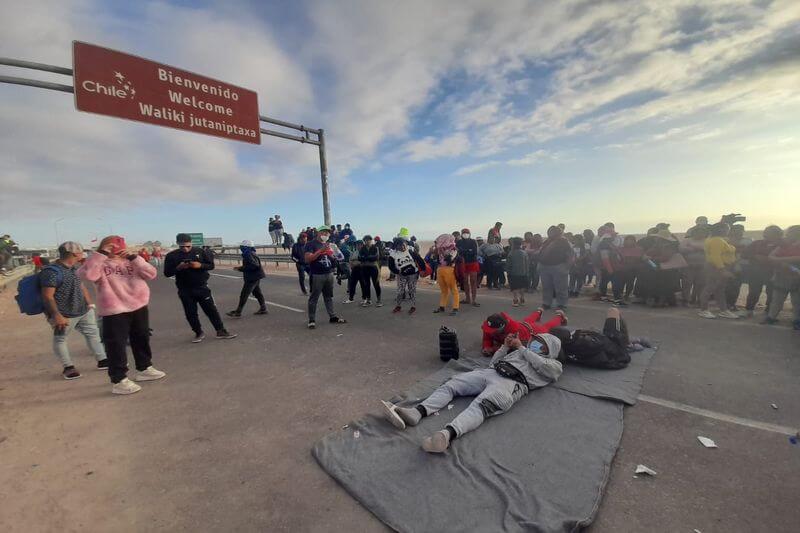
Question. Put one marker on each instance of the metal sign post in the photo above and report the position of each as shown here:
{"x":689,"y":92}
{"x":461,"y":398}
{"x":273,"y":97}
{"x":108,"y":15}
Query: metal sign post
{"x":308,"y":135}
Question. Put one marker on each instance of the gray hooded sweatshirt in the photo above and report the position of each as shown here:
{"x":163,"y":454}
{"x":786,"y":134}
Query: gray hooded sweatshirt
{"x":539,"y":369}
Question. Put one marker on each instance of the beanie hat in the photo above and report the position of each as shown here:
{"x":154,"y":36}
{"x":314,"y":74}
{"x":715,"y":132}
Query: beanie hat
{"x":247,"y":243}
{"x":496,"y":321}
{"x":466,"y":230}
{"x":404,"y":234}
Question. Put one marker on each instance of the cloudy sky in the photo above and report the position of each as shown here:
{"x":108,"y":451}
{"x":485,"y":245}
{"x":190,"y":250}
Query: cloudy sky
{"x":438,"y":115}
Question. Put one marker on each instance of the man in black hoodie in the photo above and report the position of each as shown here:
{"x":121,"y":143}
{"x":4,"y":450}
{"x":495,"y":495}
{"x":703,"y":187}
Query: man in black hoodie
{"x":190,"y":266}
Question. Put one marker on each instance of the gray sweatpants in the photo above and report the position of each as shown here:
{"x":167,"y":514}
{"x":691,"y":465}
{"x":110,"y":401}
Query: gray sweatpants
{"x":555,"y":278}
{"x":87,"y":325}
{"x":494,"y":396}
{"x":320,"y":284}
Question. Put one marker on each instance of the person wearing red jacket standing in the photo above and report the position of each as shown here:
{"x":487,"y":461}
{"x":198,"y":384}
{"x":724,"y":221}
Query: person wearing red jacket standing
{"x":498,"y":326}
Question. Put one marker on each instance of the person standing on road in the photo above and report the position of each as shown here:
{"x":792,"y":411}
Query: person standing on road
{"x":298,"y":256}
{"x":353,"y":247}
{"x":252,"y":274}
{"x":555,"y":259}
{"x":68,"y":306}
{"x":468,"y":250}
{"x":321,"y":264}
{"x":786,"y":259}
{"x":760,"y":271}
{"x":446,"y":275}
{"x":120,"y":277}
{"x":517,"y":271}
{"x":720,"y":257}
{"x":190,"y":266}
{"x":406,"y":264}
{"x":370,"y":258}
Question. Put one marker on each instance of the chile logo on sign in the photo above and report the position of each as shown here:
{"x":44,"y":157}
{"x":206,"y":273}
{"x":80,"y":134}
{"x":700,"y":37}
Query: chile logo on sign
{"x":116,"y":84}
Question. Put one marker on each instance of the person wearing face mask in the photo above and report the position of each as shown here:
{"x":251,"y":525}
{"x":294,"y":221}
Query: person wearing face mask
{"x":319,"y":256}
{"x":369,"y":258}
{"x":468,"y":250}
{"x":252,"y":273}
{"x":513,"y":372}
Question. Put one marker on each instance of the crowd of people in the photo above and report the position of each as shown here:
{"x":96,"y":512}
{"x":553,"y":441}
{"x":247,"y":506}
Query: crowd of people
{"x":711,"y":261}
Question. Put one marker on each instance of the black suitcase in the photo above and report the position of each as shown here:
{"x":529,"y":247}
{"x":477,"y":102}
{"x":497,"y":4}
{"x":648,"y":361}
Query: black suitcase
{"x":448,"y":344}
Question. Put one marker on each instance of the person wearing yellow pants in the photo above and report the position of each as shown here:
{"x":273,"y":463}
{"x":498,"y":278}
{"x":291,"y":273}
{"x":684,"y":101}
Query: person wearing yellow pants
{"x":445,"y":246}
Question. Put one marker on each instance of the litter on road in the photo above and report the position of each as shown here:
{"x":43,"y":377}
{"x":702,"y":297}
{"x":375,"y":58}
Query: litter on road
{"x":774,"y":406}
{"x":641,"y":469}
{"x":708,"y":443}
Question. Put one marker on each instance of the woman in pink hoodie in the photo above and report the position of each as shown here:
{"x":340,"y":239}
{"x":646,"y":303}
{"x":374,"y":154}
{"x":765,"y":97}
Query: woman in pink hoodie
{"x":120,"y":277}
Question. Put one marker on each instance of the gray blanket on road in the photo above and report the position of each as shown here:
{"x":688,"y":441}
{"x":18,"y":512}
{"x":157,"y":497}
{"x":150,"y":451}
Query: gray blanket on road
{"x":542,"y":466}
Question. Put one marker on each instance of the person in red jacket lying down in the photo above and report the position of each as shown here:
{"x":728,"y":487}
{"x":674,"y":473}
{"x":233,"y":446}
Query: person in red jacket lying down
{"x":498,"y":326}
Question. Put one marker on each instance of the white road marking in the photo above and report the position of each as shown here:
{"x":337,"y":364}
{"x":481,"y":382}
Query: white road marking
{"x":281,"y":306}
{"x":775,"y":428}
{"x":274,"y":304}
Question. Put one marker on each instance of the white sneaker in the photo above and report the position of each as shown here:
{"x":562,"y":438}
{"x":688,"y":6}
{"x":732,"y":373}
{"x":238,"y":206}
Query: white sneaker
{"x":365,"y":303}
{"x":348,"y":301}
{"x":706,"y":314}
{"x":125,"y":386}
{"x":728,"y":314}
{"x":148,"y":374}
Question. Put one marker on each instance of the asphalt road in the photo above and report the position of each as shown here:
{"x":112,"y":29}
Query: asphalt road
{"x":223,"y":443}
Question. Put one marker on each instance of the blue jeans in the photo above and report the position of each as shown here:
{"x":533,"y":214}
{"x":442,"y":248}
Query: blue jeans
{"x":87,"y":325}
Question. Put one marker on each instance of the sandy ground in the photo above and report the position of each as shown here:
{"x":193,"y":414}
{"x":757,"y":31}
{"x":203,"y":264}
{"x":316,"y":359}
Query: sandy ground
{"x":223,"y":443}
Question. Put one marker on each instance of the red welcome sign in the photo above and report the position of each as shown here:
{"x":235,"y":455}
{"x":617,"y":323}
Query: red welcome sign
{"x":120,"y":85}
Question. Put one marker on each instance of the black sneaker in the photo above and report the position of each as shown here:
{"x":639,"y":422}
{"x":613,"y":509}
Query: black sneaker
{"x":70,"y":372}
{"x":312,"y":325}
{"x":439,"y":310}
{"x":337,"y":320}
{"x":198,"y":337}
{"x":234,"y":314}
{"x":262,"y":312}
{"x":225,"y":334}
{"x":102,"y":365}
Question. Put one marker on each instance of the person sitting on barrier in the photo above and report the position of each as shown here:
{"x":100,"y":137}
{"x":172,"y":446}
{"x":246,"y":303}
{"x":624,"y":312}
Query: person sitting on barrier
{"x":252,"y":274}
{"x":513,"y":371}
{"x":500,"y":325}
{"x":609,"y":349}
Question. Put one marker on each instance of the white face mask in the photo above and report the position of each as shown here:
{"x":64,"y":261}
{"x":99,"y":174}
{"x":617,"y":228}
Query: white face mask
{"x":324,"y":238}
{"x":465,"y":235}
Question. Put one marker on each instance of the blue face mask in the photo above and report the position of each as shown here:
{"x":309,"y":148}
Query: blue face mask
{"x":537,"y":347}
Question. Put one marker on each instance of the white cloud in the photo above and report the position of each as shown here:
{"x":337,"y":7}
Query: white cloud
{"x":472,"y":169}
{"x":533,"y":158}
{"x":433,"y":148}
{"x":526,"y":72}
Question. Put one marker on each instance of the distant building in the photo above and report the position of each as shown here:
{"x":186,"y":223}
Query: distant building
{"x":212,"y":241}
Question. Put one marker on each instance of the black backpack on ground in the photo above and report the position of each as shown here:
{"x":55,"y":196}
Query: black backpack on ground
{"x":593,"y":349}
{"x":448,"y":344}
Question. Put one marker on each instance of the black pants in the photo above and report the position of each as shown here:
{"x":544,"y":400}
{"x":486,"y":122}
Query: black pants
{"x":117,"y":331}
{"x":355,"y":279}
{"x":756,"y":282}
{"x":533,"y":275}
{"x":370,"y":274}
{"x":301,"y":276}
{"x":490,"y":267}
{"x":622,"y":281}
{"x":254,"y":288}
{"x":200,"y":295}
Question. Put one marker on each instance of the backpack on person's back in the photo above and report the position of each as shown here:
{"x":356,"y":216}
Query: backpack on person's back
{"x":29,"y":292}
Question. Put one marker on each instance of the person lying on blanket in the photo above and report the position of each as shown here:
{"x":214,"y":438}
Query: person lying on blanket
{"x":513,"y":371}
{"x":498,"y":326}
{"x":609,"y":349}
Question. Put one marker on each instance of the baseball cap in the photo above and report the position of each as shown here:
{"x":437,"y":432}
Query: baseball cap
{"x":70,"y":247}
{"x":247,"y":243}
